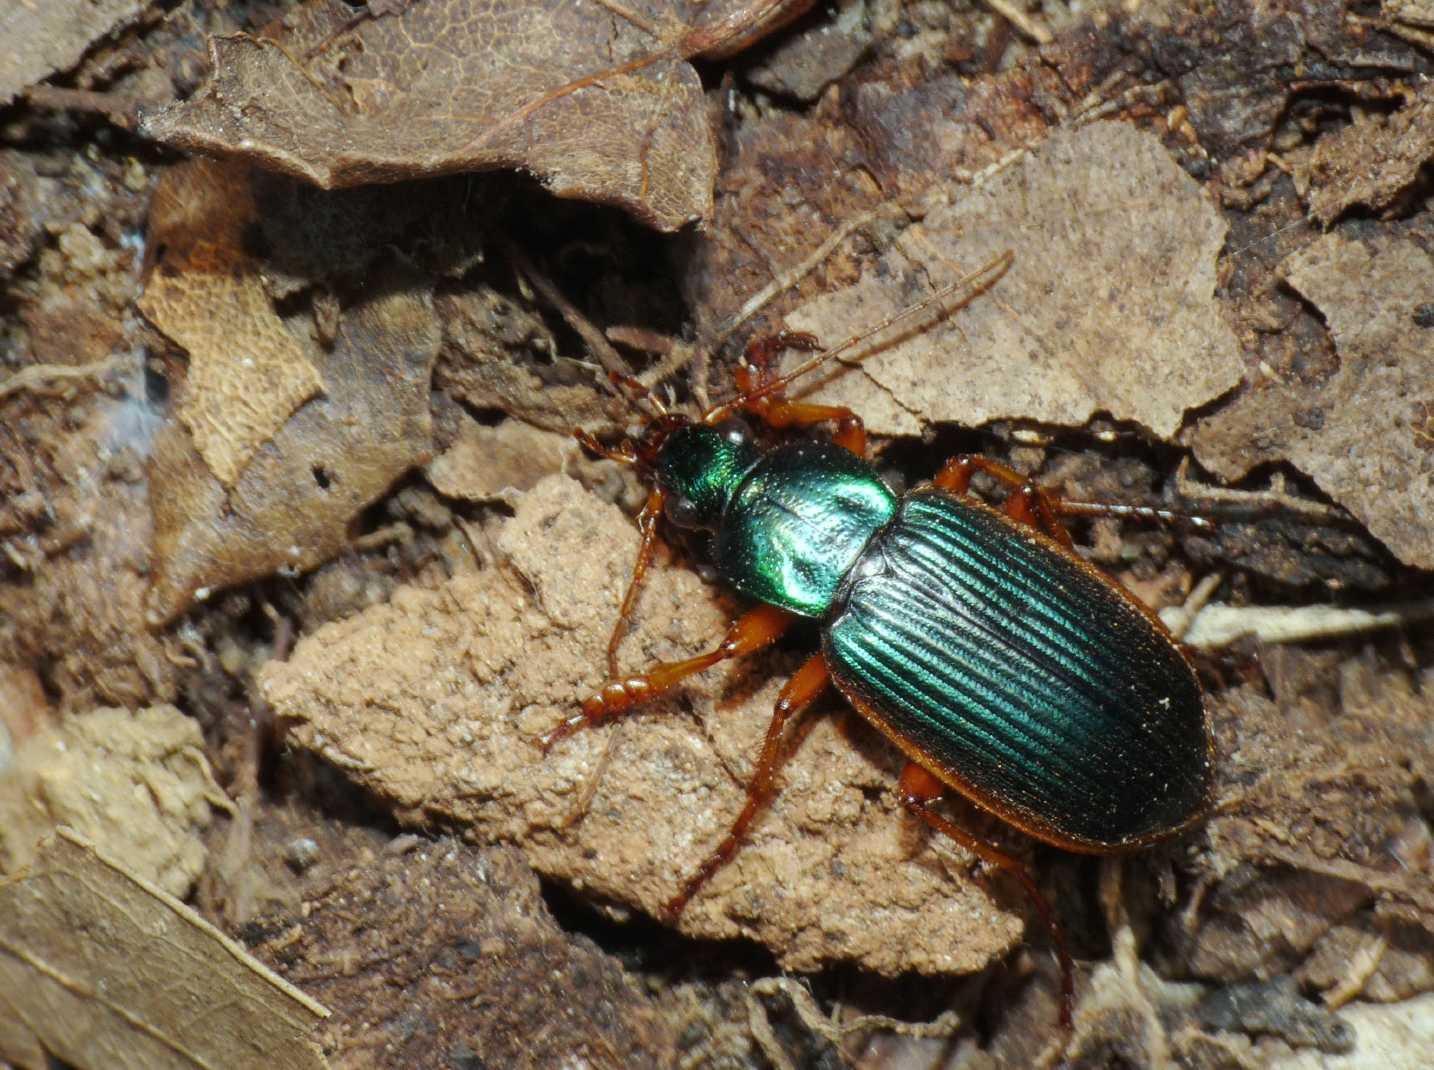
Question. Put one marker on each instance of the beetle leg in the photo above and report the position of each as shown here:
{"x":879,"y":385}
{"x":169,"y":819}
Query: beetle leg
{"x":920,"y":790}
{"x":774,"y":409}
{"x":1026,"y":503}
{"x":647,"y":528}
{"x":755,"y":629}
{"x":778,"y":412}
{"x":797,"y":694}
{"x":1041,"y":508}
{"x":762,"y":350}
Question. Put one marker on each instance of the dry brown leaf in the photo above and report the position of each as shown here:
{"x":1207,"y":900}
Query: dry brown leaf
{"x":447,"y":86}
{"x":1373,"y":162}
{"x":1109,"y":306}
{"x":293,"y":503}
{"x":136,"y":784}
{"x":247,"y":371}
{"x":433,"y":700}
{"x":101,"y":969}
{"x":1364,"y":433}
{"x":38,"y":39}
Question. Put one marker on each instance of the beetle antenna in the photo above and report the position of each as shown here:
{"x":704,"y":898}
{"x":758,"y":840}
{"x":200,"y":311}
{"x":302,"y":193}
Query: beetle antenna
{"x":978,"y":281}
{"x":640,"y":390}
{"x":624,"y":454}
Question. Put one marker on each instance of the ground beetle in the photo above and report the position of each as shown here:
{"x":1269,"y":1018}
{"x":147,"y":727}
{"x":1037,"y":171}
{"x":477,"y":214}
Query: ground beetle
{"x":1003,"y":665}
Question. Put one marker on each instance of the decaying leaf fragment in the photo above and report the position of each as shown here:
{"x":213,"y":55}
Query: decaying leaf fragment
{"x":247,"y":371}
{"x":100,"y":969}
{"x":1317,"y":827}
{"x":446,"y":86}
{"x":458,"y":938}
{"x":292,"y":505}
{"x":432,"y":702}
{"x":137,"y":784}
{"x":1372,"y":162}
{"x":497,"y":463}
{"x":1108,"y":307}
{"x":1364,"y":434}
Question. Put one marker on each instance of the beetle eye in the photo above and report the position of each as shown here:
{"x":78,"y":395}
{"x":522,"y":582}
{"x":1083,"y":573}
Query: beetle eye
{"x":681,"y":511}
{"x":734,"y":431}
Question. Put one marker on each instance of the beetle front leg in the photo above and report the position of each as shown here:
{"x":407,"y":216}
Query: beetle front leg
{"x":775,"y":410}
{"x":647,"y":529}
{"x":752,"y":631}
{"x":920,"y":790}
{"x":797,"y":694}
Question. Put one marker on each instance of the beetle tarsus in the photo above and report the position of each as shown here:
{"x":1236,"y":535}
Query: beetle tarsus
{"x":561,"y":731}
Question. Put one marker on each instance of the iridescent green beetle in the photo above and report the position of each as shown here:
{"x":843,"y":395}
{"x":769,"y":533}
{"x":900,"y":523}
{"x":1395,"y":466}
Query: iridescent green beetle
{"x":1004,"y":666}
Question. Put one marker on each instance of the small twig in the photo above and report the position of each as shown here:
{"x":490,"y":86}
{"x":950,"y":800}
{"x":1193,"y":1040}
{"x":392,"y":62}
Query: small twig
{"x":1276,"y":498}
{"x":35,"y":377}
{"x":646,"y":25}
{"x":641,"y":338}
{"x":597,"y":342}
{"x":792,"y":275}
{"x":381,"y":537}
{"x":1178,"y":618}
{"x":121,"y":111}
{"x":679,"y":355}
{"x":829,"y":1029}
{"x":1361,"y":967}
{"x":1218,"y":626}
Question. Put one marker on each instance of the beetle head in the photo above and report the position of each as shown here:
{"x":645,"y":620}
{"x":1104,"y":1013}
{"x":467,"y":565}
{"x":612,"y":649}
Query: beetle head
{"x":698,"y":466}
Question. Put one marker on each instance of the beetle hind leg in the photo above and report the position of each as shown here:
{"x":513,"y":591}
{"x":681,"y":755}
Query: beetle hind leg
{"x":920,"y":790}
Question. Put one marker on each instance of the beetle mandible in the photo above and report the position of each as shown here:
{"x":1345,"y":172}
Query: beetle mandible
{"x":1000,"y":663}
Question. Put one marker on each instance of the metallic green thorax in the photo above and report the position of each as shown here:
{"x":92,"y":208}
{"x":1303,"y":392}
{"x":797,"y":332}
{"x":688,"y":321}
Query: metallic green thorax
{"x":789,"y":523}
{"x":798,"y":522}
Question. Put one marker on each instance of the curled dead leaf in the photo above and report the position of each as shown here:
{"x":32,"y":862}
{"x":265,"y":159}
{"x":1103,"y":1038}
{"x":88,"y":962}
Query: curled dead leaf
{"x":292,"y":505}
{"x":247,"y":371}
{"x":601,"y":107}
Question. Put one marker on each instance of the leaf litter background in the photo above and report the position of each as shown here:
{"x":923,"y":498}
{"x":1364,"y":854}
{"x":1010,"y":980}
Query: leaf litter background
{"x":294,"y":461}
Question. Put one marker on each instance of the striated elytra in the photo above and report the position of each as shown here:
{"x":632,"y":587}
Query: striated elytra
{"x":1021,"y":678}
